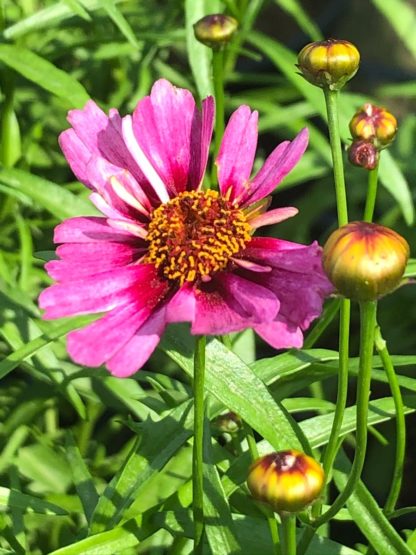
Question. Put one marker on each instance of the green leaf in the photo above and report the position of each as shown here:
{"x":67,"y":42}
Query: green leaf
{"x":29,"y":503}
{"x":394,"y":181}
{"x":14,"y":359}
{"x":159,"y":441}
{"x":368,"y":515}
{"x":402,"y":17}
{"x":199,"y":55}
{"x":219,"y":525}
{"x":237,"y":387}
{"x":295,"y":9}
{"x":49,"y":17}
{"x":57,"y":199}
{"x":120,"y":21}
{"x":44,"y":73}
{"x":81,"y":477}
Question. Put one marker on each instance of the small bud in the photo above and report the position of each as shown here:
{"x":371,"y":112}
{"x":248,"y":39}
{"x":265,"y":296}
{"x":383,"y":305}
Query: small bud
{"x":228,"y":423}
{"x":215,"y":30}
{"x":375,"y":124}
{"x":329,"y":63}
{"x":364,"y":260}
{"x":287,"y":480}
{"x":363,"y":154}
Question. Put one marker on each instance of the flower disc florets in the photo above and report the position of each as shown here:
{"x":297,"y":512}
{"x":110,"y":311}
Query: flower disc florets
{"x":194,"y":236}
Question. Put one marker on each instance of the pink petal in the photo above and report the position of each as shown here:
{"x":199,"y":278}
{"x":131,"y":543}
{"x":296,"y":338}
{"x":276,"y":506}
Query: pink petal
{"x":172,"y":135}
{"x":280,"y":334}
{"x":297,"y":278}
{"x":181,"y":308}
{"x":77,"y":155}
{"x":88,"y":230}
{"x":97,"y":342}
{"x":84,"y":259}
{"x":118,"y":187}
{"x":94,"y":133}
{"x":101,"y":292}
{"x":280,"y":162}
{"x":138,"y":349}
{"x":273,"y":217}
{"x":143,"y":160}
{"x":236,"y":156}
{"x":232,"y":303}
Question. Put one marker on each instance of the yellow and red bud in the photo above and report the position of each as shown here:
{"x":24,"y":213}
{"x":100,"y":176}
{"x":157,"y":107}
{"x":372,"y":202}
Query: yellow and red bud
{"x":375,"y":124}
{"x":329,"y":63}
{"x":229,"y":423}
{"x":289,"y":480}
{"x":363,"y":154}
{"x":215,"y":30}
{"x":365,"y":261}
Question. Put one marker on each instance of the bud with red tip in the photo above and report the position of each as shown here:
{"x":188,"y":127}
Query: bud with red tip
{"x":329,"y":63}
{"x":289,"y":480}
{"x":363,"y":154}
{"x":374,"y":124}
{"x":365,"y":261}
{"x":215,"y":30}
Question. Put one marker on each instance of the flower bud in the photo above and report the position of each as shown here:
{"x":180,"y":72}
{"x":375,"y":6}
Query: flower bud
{"x":375,"y":124}
{"x":363,"y":154}
{"x":287,"y":480}
{"x":215,"y":30}
{"x":228,"y":423}
{"x":365,"y":260}
{"x":329,"y":63}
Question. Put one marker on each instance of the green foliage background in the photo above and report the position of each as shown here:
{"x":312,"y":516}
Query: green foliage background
{"x":91,"y":464}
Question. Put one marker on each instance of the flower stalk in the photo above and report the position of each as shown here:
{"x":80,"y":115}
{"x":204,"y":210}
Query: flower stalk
{"x":368,"y":310}
{"x":218,"y":81}
{"x":331,"y":100}
{"x":371,"y":194}
{"x":288,"y":534}
{"x":397,"y":479}
{"x":197,"y":455}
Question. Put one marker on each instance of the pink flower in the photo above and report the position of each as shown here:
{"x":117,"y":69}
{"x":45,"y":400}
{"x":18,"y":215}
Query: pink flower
{"x":168,"y":251}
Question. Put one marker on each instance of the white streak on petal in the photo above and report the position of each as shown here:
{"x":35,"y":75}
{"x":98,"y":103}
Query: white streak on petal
{"x":142,"y":161}
{"x":131,"y":227}
{"x":252,"y":266}
{"x":273,"y":217}
{"x":129,"y":199}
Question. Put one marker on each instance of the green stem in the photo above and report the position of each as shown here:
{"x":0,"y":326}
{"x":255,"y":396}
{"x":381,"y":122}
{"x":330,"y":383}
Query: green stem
{"x":197,"y":454}
{"x":371,"y":194}
{"x":400,"y":423}
{"x":288,"y":534}
{"x":218,"y":81}
{"x":274,"y":530}
{"x":368,"y":312}
{"x":331,"y":99}
{"x":333,"y":442}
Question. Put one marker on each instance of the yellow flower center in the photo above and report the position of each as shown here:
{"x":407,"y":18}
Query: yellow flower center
{"x":194,"y":235}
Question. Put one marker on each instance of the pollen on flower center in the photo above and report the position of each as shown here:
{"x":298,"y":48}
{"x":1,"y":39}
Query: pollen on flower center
{"x":194,"y":235}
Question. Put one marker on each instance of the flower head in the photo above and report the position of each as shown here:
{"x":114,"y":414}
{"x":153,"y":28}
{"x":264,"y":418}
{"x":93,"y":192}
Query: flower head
{"x":287,"y":480}
{"x":374,"y":124}
{"x":166,"y":250}
{"x":363,"y":154}
{"x":329,"y":63}
{"x":215,"y":30}
{"x":365,"y":260}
